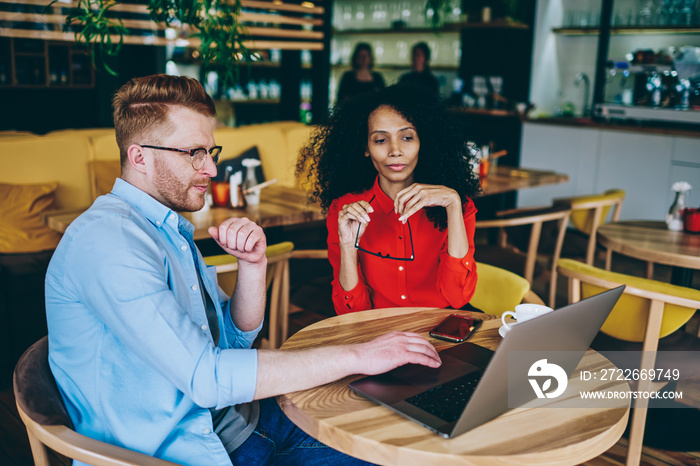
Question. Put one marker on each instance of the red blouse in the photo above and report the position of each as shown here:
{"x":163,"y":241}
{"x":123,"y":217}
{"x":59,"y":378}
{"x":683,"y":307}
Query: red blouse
{"x":433,"y":278}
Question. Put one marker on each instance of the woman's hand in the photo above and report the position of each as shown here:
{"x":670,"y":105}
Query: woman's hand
{"x":350,"y":216}
{"x":410,"y":200}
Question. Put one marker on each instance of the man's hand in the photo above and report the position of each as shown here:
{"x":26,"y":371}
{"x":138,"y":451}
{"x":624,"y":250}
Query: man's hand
{"x":289,"y":371}
{"x":395,"y":349}
{"x":242,"y":239}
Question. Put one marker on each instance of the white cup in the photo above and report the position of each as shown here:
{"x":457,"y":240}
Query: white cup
{"x":525,"y":312}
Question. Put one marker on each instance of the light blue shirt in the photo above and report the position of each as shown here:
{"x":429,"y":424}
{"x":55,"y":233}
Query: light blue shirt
{"x":129,"y":342}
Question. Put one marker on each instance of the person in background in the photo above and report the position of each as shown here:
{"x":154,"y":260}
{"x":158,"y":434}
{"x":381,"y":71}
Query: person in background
{"x":147,"y":351}
{"x":361,"y":78}
{"x":420,"y":73}
{"x":393,"y":172}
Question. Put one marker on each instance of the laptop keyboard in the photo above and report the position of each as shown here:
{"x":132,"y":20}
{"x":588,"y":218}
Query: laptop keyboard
{"x":447,"y":401}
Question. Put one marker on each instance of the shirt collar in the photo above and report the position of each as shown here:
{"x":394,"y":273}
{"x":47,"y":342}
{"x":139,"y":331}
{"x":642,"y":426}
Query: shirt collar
{"x":381,"y":200}
{"x":154,"y":211}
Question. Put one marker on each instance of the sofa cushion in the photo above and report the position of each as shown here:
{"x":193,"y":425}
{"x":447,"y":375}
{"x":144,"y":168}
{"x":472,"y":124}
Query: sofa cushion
{"x":271,"y":144}
{"x":22,"y":227}
{"x":297,"y":137}
{"x":103,"y":173}
{"x":42,"y":159}
{"x":104,"y":146}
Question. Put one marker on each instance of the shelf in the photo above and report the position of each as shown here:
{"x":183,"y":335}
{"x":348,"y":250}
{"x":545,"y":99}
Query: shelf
{"x":256,"y":102}
{"x":485,"y":111}
{"x":394,"y":67}
{"x":450,"y":27}
{"x":642,"y":67}
{"x":619,"y":30}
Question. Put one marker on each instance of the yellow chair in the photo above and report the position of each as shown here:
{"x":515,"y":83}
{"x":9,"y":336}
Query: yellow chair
{"x":499,"y":290}
{"x":647,"y":311}
{"x":589,"y":212}
{"x":628,"y":319}
{"x":511,"y":258}
{"x":277,"y":278}
{"x":48,"y":426}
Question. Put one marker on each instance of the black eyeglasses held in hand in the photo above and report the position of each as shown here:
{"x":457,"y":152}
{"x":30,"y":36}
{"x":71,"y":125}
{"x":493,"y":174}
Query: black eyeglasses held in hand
{"x":379,"y":253}
{"x":198,"y":155}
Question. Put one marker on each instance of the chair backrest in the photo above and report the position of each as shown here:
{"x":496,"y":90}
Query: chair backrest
{"x":498,"y":290}
{"x":48,"y":426}
{"x":634,"y":316}
{"x":589,"y":212}
{"x":536,"y":218}
{"x":277,"y":277}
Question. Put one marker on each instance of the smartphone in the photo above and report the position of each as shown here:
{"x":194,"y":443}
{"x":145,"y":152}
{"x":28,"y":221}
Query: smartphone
{"x":455,"y":328}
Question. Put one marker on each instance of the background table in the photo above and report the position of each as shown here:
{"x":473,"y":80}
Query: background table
{"x":284,"y":206}
{"x":279,"y":206}
{"x":652,"y":241}
{"x":503,"y":179}
{"x":348,"y":422}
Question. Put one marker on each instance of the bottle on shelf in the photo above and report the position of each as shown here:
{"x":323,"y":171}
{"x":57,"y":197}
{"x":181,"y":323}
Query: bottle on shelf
{"x":251,"y":197}
{"x":236,"y":191}
{"x":674,"y":217}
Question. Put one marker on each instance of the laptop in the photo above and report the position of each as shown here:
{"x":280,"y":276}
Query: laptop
{"x":476,"y":378}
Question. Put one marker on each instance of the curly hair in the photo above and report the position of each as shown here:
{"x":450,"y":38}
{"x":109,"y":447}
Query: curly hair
{"x":334,"y":163}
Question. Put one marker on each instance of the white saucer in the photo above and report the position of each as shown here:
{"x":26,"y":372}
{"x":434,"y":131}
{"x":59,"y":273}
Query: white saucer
{"x":503,"y":330}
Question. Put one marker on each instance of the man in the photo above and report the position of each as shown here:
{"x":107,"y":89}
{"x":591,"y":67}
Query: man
{"x":146,"y":349}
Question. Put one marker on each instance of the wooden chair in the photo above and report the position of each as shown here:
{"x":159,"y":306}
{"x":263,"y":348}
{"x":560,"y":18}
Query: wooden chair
{"x":647,"y":311}
{"x":511,"y":258}
{"x":42,"y":410}
{"x":499,"y":290}
{"x":589,"y":212}
{"x":277,"y":279}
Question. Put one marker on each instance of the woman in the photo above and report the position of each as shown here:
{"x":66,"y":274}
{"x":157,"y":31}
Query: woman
{"x":393,"y":172}
{"x":420,"y":73}
{"x":361,"y":78}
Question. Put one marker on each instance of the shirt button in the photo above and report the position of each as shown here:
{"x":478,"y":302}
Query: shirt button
{"x":403,"y":296}
{"x":401,"y":267}
{"x":158,"y":223}
{"x":347,"y":297}
{"x":204,"y":327}
{"x":195,"y":287}
{"x":183,"y":247}
{"x":207,"y":431}
{"x":400,"y":237}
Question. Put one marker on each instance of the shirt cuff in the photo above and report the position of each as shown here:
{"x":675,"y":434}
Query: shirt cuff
{"x":242,"y":368}
{"x":347,"y":300}
{"x":459,"y":265}
{"x":238,"y":338}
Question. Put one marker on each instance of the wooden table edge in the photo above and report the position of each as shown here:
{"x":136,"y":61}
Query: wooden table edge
{"x":572,"y":455}
{"x":666,"y":258}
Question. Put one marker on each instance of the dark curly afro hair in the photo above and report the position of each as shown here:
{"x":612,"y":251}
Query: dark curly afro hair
{"x":334,"y":163}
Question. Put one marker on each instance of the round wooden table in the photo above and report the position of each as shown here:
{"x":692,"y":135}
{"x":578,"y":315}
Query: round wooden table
{"x":652,"y":241}
{"x":338,"y":417}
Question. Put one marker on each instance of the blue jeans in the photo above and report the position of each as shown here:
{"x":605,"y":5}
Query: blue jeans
{"x":276,"y":440}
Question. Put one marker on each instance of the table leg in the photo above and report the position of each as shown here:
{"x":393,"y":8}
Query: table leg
{"x":682,"y":276}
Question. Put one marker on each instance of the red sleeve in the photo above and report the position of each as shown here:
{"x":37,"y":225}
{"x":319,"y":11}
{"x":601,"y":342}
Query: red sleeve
{"x":344,"y":301}
{"x":457,"y":276}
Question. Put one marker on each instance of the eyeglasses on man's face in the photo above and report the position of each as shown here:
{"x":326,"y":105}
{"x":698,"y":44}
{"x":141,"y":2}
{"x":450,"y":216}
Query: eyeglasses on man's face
{"x":198,"y":156}
{"x":379,"y":253}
